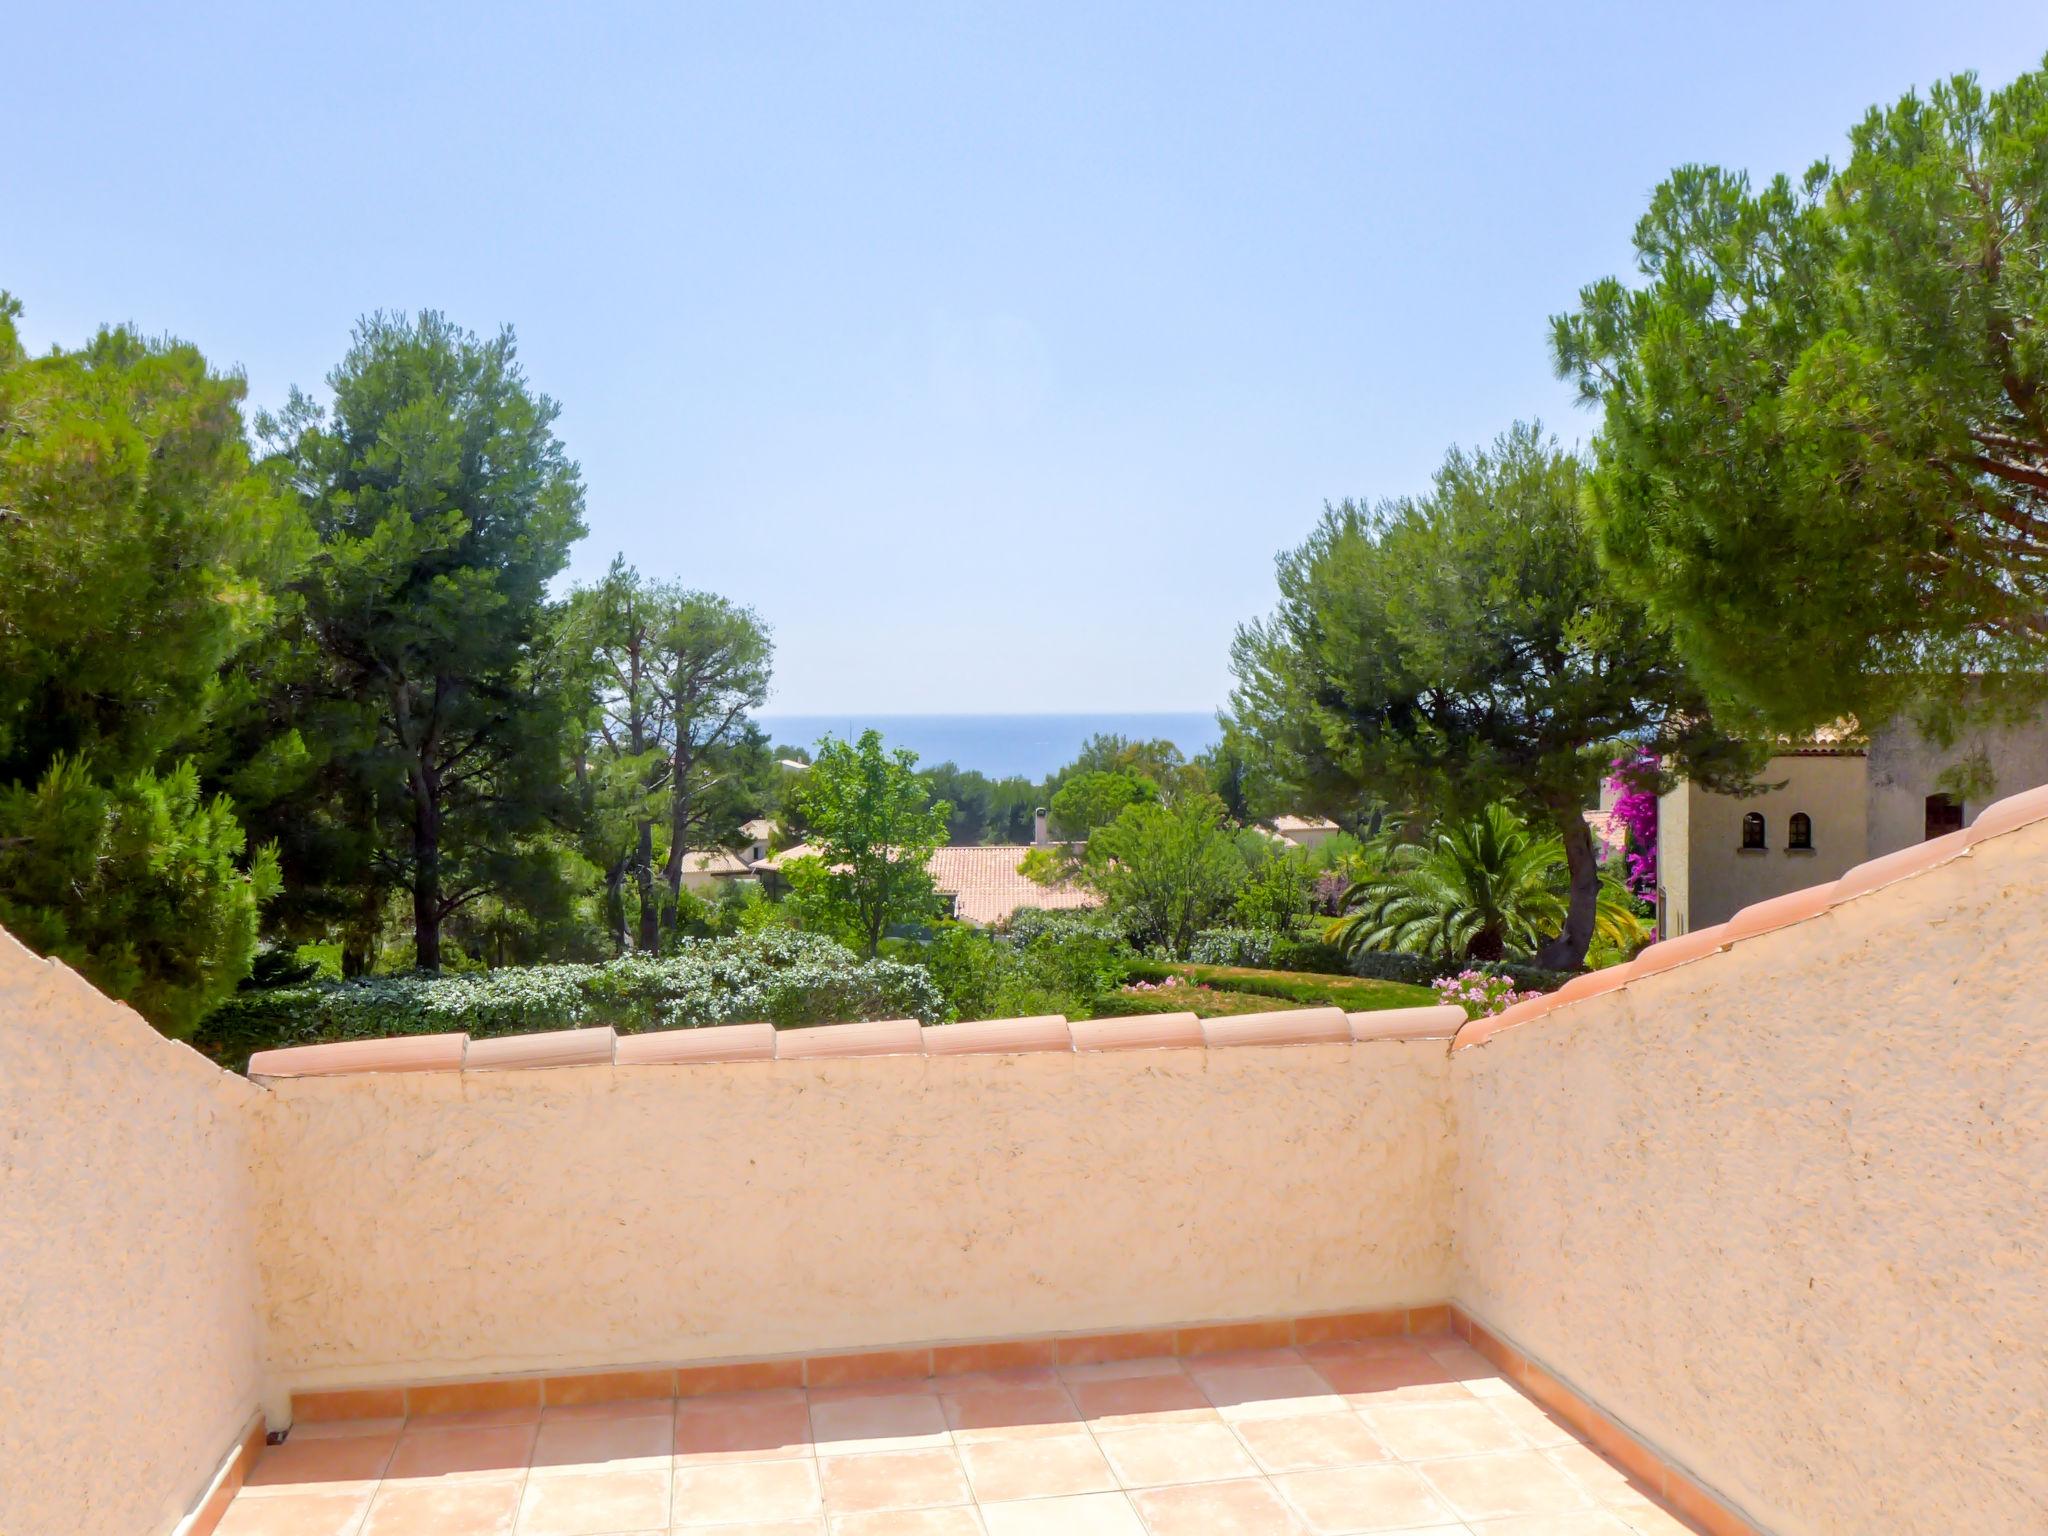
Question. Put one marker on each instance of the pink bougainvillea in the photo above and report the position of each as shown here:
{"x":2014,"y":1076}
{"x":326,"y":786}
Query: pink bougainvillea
{"x":1635,"y":807}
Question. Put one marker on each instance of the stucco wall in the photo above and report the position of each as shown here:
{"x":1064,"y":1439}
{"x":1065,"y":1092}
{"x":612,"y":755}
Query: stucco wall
{"x":1720,"y":879}
{"x":129,"y":1329}
{"x":1905,"y":768}
{"x":1784,"y":1210}
{"x":443,"y":1223}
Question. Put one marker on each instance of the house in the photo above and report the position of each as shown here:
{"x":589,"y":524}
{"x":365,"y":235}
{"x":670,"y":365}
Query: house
{"x":759,"y":833}
{"x":1305,"y":831}
{"x":706,"y":871}
{"x":1828,"y":805}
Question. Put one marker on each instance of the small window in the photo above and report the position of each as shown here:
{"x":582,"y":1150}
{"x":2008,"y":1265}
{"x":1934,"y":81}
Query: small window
{"x":1944,"y":815}
{"x":1753,"y":831}
{"x":1799,"y":833}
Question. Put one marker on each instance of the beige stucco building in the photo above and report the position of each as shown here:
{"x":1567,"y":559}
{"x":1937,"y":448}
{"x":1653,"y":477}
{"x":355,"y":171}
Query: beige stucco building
{"x":1823,"y":810}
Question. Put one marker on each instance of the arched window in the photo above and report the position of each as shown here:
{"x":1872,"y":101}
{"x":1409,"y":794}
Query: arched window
{"x":1799,"y":833}
{"x":1753,"y":830}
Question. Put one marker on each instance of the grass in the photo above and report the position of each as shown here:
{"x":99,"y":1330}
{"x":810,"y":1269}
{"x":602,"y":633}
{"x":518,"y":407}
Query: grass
{"x":1228,"y":989}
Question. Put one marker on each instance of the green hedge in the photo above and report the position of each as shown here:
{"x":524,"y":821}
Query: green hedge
{"x":785,"y":978}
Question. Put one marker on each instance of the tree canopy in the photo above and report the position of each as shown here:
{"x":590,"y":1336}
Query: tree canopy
{"x":140,"y":555}
{"x":1823,"y":451}
{"x":1462,"y":647}
{"x":436,"y":716}
{"x":874,"y":825}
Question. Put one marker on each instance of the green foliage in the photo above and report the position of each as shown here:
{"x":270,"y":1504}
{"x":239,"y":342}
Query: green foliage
{"x":670,"y":761}
{"x":1823,"y":453}
{"x":981,"y":809}
{"x":1165,"y":871}
{"x":1351,"y":993}
{"x":1278,"y":894}
{"x":437,"y":721}
{"x":1094,"y":798}
{"x":1476,"y":890}
{"x":139,"y":884}
{"x":1464,"y":647}
{"x":140,"y":555}
{"x":789,"y":979}
{"x":1036,"y":968}
{"x":874,"y":825}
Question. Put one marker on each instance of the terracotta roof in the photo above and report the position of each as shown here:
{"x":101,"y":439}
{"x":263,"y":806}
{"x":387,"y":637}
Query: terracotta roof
{"x":761,"y":828}
{"x":1303,"y":824}
{"x":713,"y":861}
{"x":986,"y":887}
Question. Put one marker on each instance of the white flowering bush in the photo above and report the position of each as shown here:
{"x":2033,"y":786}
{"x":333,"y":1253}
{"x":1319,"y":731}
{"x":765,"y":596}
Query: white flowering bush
{"x":1480,"y":993}
{"x":785,"y":978}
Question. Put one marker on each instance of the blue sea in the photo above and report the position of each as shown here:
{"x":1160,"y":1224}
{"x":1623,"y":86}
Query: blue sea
{"x":998,"y":745}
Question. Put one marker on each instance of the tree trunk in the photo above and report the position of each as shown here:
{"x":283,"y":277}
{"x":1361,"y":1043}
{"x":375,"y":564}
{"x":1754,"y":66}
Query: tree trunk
{"x":1567,"y":952}
{"x":426,"y":880}
{"x":615,"y":906}
{"x":643,"y":877}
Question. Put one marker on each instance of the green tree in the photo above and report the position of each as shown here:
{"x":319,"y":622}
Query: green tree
{"x":1278,"y":892}
{"x":875,"y":826}
{"x":1165,"y":871}
{"x":673,"y":758}
{"x":140,"y":558}
{"x":444,"y":505}
{"x":1463,"y":646}
{"x":1095,"y":797}
{"x":1823,"y":453}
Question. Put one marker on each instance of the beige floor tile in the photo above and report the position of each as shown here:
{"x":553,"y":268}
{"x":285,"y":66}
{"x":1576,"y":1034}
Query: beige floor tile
{"x":1312,"y":1442}
{"x":893,"y":1480}
{"x":468,"y":1455}
{"x":1248,"y":1508}
{"x":1128,"y":1401}
{"x":621,"y":1408}
{"x":1036,"y":1468}
{"x":593,"y":1503}
{"x":1534,"y":1425}
{"x":1581,"y":1522}
{"x":1382,"y":1497}
{"x":1158,"y":1454}
{"x":857,"y":1425}
{"x":1606,"y":1482}
{"x":1087,"y":1514}
{"x":962,"y":1521}
{"x":1267,"y":1391}
{"x":477,"y":1418}
{"x":601,"y":1445}
{"x":443,"y":1509}
{"x":746,"y":1490}
{"x":351,"y":1464}
{"x":344,"y":1429}
{"x":296,"y":1514}
{"x":1002,"y":1412}
{"x":1517,"y":1483}
{"x":1123,"y":1370}
{"x":1399,"y":1379}
{"x":742,"y":1429}
{"x":1419,"y":1431}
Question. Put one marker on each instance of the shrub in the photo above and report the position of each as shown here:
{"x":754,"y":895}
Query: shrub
{"x":1233,"y":946}
{"x":785,"y":978}
{"x":1480,"y":993}
{"x":1041,"y":962}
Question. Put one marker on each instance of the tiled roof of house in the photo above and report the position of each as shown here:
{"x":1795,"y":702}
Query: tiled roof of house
{"x":713,"y":861}
{"x":1286,"y":824}
{"x":986,"y":886}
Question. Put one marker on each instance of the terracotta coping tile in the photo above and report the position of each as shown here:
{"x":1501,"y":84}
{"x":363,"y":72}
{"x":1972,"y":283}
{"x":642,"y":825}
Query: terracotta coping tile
{"x":2009,"y":814}
{"x":1779,"y":912}
{"x":473,"y":1396}
{"x":872,"y":1365}
{"x":1591,"y":984}
{"x":1138,"y":1032}
{"x":1297,"y":1026}
{"x":884,"y":1037}
{"x":555,"y":1048}
{"x":1099,"y":1348}
{"x":606,"y":1387}
{"x":348,"y":1403}
{"x":1872,"y":873}
{"x":402,"y":1053}
{"x":1439,"y":1021}
{"x":714,"y":1042}
{"x":1224,"y":1338}
{"x":1666,"y":953}
{"x":1043,"y":1032}
{"x":1479,"y":1031}
{"x":1007,"y":1355}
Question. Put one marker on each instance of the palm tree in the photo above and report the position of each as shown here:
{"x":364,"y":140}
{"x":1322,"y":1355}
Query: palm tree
{"x":1476,"y":890}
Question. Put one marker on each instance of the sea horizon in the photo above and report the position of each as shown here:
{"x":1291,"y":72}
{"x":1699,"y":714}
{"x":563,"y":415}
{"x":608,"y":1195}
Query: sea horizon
{"x":1001,"y":745}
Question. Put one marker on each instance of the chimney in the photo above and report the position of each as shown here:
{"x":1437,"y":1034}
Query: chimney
{"x":1039,"y":836}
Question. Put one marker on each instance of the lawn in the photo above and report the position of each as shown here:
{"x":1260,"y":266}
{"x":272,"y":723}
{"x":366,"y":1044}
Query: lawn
{"x":1214,"y":990}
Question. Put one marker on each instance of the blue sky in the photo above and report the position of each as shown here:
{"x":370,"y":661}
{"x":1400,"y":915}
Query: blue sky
{"x":991,"y":353}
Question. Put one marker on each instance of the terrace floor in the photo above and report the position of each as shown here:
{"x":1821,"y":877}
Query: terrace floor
{"x":1415,"y":1435}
